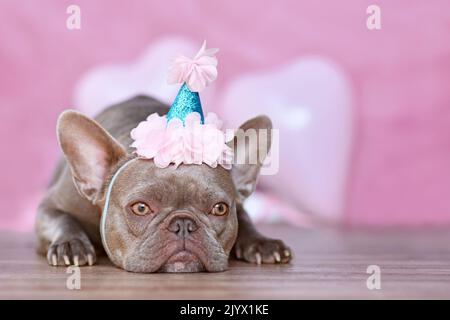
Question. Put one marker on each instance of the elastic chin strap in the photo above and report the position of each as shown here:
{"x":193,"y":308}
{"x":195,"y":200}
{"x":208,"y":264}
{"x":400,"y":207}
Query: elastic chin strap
{"x":106,"y":207}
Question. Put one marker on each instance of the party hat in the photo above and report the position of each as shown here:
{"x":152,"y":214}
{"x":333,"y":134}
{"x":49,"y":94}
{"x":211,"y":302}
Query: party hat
{"x":185,"y":103}
{"x":195,"y":75}
{"x":185,"y":134}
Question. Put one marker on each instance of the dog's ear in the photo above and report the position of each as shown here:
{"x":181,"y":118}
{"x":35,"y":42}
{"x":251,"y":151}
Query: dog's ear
{"x":89,"y":150}
{"x":251,"y":144}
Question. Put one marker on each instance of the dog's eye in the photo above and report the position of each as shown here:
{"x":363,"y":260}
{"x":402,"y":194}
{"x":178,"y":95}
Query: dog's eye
{"x":140,"y":208}
{"x":219,"y":209}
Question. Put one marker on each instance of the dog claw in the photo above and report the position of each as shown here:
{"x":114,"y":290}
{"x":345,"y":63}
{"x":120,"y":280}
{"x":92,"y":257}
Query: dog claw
{"x":287,"y":253}
{"x":54,"y":260}
{"x":66,"y":260}
{"x":258,"y":258}
{"x":238,"y":253}
{"x":277,"y":256}
{"x":90,"y":259}
{"x":75,"y":261}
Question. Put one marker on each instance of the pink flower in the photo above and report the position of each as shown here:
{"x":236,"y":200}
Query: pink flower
{"x":153,"y":129}
{"x":193,"y":143}
{"x":198,"y":73}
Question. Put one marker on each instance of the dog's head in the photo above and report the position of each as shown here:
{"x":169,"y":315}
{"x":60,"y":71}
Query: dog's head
{"x":173,"y":219}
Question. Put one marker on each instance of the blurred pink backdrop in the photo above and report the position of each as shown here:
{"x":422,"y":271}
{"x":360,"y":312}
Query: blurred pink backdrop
{"x":400,"y":76}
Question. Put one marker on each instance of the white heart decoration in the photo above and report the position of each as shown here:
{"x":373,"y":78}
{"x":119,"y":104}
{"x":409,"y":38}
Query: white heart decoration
{"x":310,"y":101}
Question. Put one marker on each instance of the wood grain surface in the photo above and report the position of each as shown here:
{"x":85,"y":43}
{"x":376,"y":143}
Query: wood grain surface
{"x":328,"y":264}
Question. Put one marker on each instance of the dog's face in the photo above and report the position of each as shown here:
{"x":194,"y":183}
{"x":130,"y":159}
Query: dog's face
{"x":171,"y":220}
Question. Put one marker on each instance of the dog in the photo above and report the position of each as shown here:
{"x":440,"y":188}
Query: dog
{"x":185,"y":219}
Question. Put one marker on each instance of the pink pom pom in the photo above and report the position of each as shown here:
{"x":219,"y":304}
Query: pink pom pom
{"x":198,"y":72}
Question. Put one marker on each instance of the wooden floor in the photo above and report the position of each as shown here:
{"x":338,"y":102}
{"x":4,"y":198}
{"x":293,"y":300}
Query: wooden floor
{"x":327,"y":264}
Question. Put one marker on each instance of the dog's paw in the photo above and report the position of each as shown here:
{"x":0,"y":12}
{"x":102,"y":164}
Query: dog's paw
{"x":262,"y":250}
{"x":74,"y":251}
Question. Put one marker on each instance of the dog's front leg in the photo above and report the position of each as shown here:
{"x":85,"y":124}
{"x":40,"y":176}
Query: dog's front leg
{"x":253,"y":247}
{"x":62,"y":238}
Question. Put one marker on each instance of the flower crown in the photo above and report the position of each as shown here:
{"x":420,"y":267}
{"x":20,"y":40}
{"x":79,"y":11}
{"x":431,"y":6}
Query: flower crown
{"x":185,"y":135}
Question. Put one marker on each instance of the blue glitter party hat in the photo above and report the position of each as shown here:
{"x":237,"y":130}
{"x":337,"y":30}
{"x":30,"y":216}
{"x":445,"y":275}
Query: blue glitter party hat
{"x":195,"y":75}
{"x":186,"y":135}
{"x":186,"y":102}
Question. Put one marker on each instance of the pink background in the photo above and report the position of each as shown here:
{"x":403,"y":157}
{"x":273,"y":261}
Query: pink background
{"x":400,"y":167}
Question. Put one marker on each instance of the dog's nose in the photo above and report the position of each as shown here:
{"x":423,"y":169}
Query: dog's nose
{"x":182,"y":227}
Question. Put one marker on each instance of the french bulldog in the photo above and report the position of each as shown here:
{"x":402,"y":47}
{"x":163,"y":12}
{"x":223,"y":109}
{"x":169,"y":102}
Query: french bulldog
{"x":185,"y":219}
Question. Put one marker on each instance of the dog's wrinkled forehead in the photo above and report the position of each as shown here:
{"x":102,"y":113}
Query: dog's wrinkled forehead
{"x":174,"y":185}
